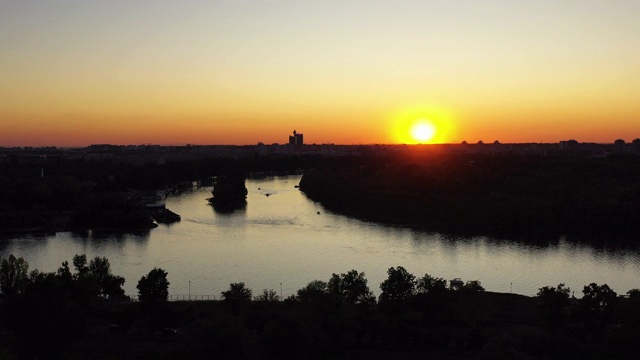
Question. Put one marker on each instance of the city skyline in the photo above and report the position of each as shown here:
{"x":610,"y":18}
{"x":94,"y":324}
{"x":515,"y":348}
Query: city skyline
{"x":343,"y":72}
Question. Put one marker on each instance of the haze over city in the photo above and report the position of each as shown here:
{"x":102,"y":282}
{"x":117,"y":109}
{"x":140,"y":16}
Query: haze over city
{"x":344,"y":72}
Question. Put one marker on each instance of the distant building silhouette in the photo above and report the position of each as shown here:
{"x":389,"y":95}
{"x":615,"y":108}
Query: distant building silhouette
{"x":297,"y":141}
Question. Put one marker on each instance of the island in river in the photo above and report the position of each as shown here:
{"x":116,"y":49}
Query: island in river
{"x":229,"y":192}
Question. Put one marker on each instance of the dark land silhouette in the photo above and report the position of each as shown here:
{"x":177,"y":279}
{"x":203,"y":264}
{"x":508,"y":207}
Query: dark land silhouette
{"x":80,"y":312}
{"x":48,"y":193}
{"x":589,"y":193}
{"x":229,"y":192}
{"x":516,"y":197}
{"x":531,"y":192}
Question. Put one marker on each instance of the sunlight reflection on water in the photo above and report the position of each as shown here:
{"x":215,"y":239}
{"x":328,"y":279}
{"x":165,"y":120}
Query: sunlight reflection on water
{"x":286,"y":238}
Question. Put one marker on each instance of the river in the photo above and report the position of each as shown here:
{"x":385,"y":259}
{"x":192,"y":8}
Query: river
{"x":282,"y":241}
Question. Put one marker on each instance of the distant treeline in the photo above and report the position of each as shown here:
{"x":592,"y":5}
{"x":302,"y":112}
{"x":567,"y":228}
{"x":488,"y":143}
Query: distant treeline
{"x":80,"y":312}
{"x":530,"y":197}
{"x":96,"y":194}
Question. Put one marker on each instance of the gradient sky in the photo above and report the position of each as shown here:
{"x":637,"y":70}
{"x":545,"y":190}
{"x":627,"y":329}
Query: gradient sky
{"x":75,"y":73}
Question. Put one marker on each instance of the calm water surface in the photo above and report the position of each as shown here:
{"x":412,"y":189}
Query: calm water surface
{"x":284,"y":238}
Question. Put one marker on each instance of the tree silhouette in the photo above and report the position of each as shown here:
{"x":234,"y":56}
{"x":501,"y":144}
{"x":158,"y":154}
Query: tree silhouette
{"x":598,"y":301}
{"x":154,"y":288}
{"x":92,"y":279}
{"x":13,"y":276}
{"x":236,"y":296}
{"x":100,"y":271}
{"x":634,"y":293}
{"x":433,"y":299}
{"x":267,"y":295}
{"x":80,"y":263}
{"x":314,"y":290}
{"x":64,"y":272}
{"x":398,"y":287}
{"x":429,"y":284}
{"x":351,"y":287}
{"x":596,"y":309}
{"x":473,"y":285}
{"x":553,"y":303}
{"x":237,"y":292}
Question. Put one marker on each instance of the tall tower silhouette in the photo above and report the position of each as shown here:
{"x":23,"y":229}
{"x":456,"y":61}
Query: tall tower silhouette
{"x":297,"y":140}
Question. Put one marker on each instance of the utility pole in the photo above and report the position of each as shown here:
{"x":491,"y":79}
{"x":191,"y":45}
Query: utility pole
{"x":189,"y":290}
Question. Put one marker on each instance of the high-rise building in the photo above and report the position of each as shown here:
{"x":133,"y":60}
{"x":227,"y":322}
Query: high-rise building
{"x":296,"y":140}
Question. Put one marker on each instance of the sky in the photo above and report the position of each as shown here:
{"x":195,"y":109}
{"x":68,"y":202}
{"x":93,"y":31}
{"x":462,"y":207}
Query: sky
{"x":74,"y":73}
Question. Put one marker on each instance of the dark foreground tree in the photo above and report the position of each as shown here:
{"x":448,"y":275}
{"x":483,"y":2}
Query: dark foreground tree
{"x":315,"y":290}
{"x":351,"y":288}
{"x":473,"y":286}
{"x":80,"y":263}
{"x":598,"y":301}
{"x":553,"y":304}
{"x":109,"y":285}
{"x":237,"y":292}
{"x":153,"y":288}
{"x":429,"y":284}
{"x":267,"y":295}
{"x":44,"y":315}
{"x":237,"y":295}
{"x":398,"y":287}
{"x":44,"y":319}
{"x":596,"y":309}
{"x":13,"y":276}
{"x":634,"y":294}
{"x":434,"y":300}
{"x":93,"y":279}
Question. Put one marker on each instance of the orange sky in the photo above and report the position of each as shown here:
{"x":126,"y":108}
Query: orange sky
{"x":344,"y":72}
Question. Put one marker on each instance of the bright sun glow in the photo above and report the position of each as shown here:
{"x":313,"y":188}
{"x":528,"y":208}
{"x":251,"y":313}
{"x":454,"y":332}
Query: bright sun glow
{"x":423,"y":131}
{"x":422,"y":125}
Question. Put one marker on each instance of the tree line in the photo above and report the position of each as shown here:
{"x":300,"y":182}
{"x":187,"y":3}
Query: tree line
{"x":81,"y":311}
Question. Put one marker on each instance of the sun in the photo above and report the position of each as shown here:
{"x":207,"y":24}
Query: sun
{"x":423,"y":131}
{"x":422,"y":125}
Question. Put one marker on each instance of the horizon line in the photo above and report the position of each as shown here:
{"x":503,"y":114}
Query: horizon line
{"x":480,"y":142}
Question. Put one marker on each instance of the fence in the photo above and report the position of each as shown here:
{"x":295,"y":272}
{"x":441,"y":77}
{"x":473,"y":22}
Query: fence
{"x":192,"y":297}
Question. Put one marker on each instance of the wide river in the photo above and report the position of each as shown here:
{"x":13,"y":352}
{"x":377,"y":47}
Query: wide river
{"x":282,"y":240}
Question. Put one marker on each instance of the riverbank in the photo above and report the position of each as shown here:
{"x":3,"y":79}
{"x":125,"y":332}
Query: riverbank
{"x":41,"y":231}
{"x":535,"y":199}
